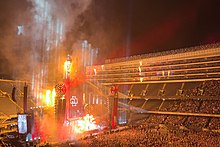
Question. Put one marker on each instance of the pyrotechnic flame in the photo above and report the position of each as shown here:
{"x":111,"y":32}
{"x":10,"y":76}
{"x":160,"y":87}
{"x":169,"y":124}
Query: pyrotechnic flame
{"x":67,"y":66}
{"x":53,"y":96}
{"x":48,"y":98}
{"x":87,"y":123}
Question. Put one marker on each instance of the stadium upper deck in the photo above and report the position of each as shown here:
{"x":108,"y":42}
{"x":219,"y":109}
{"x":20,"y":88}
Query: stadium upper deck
{"x":166,"y":74}
{"x":195,"y":64}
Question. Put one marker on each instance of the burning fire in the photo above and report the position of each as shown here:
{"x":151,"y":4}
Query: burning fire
{"x":49,"y":98}
{"x":86,"y":123}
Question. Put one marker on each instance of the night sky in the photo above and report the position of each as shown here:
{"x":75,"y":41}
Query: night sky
{"x":125,"y":27}
{"x":133,"y":27}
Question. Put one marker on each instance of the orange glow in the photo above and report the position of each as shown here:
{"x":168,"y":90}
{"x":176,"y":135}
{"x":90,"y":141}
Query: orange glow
{"x":95,"y":71}
{"x":141,"y":79}
{"x":87,"y":123}
{"x":53,"y":96}
{"x":67,"y":66}
{"x":48,"y":98}
{"x":140,"y":63}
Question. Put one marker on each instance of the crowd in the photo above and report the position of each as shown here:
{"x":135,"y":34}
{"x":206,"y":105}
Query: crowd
{"x":144,"y":134}
{"x":210,"y":106}
{"x":170,"y":130}
{"x":173,"y":121}
{"x":196,"y":123}
{"x":209,"y":88}
{"x":192,"y":106}
{"x":189,"y":106}
{"x":214,"y":124}
{"x":170,"y":105}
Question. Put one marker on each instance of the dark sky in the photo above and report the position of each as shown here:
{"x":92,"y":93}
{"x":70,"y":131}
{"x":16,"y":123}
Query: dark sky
{"x":131,"y":27}
{"x":127,"y":27}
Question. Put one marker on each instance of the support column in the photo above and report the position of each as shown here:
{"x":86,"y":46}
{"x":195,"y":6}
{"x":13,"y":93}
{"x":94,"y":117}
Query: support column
{"x":25,"y":99}
{"x":67,"y":97}
{"x":115,"y":110}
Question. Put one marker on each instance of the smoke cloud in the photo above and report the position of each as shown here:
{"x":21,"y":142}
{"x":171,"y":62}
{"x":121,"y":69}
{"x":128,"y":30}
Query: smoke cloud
{"x":45,"y":24}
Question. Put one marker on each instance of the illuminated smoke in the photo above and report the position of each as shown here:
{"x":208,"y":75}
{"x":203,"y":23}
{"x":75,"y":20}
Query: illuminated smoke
{"x":51,"y":21}
{"x":36,"y":52}
{"x":56,"y":17}
{"x":44,"y":124}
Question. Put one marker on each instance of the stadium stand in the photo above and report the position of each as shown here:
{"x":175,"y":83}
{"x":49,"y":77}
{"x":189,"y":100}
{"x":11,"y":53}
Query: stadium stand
{"x":168,"y":98}
{"x":11,"y":105}
{"x":179,"y":90}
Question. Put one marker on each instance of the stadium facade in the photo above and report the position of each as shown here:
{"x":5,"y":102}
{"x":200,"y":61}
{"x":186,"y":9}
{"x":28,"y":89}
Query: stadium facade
{"x":181,"y":85}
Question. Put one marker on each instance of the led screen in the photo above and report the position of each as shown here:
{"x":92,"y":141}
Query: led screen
{"x":22,"y":123}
